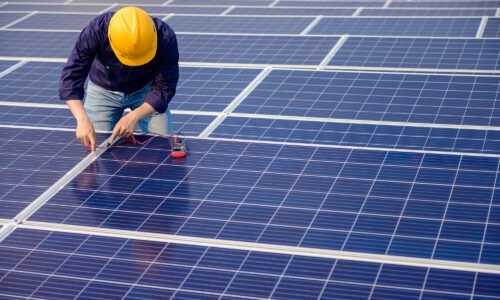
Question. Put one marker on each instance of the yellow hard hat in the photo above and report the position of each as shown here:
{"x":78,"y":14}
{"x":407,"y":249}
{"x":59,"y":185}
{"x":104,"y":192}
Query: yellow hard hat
{"x":132,"y":35}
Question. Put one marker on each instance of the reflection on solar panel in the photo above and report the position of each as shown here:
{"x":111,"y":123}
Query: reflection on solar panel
{"x":291,"y":50}
{"x":449,"y":27}
{"x":335,"y":150}
{"x":437,"y":99}
{"x":360,"y":135}
{"x":90,"y":266}
{"x":468,"y":54}
{"x":283,"y":25}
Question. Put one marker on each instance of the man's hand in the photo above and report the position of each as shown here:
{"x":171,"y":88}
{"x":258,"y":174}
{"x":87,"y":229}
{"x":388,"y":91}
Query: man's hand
{"x":85,"y":133}
{"x":127,"y":124}
{"x":125,"y":127}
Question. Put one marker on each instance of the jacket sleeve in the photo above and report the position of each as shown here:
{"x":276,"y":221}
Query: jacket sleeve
{"x":76,"y":70}
{"x":164,"y":84}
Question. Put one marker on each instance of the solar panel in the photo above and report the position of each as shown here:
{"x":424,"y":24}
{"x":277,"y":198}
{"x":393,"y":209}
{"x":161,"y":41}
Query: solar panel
{"x":229,"y":24}
{"x":289,"y":195}
{"x":33,"y":82}
{"x":431,"y":53}
{"x":360,"y":135}
{"x":388,"y":153}
{"x":7,"y":18}
{"x":210,"y":89}
{"x":492,"y":28}
{"x":37,"y":44}
{"x":5,"y":64}
{"x":47,"y":7}
{"x":329,"y":3}
{"x":55,"y":21}
{"x":172,"y":9}
{"x":289,"y":11}
{"x":35,"y":159}
{"x":445,"y":4}
{"x":36,"y":116}
{"x":437,"y":99}
{"x":295,"y":50}
{"x":428,"y":12}
{"x":52,"y":264}
{"x":223,"y":2}
{"x":438,"y":27}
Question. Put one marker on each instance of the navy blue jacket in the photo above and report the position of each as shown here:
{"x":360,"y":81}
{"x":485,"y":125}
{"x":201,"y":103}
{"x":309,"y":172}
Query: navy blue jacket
{"x":92,"y":56}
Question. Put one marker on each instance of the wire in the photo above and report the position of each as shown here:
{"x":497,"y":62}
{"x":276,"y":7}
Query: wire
{"x":130,"y":139}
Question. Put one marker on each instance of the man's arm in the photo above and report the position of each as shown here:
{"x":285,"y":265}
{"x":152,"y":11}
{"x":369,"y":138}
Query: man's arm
{"x":84,"y":130}
{"x":127,"y":124}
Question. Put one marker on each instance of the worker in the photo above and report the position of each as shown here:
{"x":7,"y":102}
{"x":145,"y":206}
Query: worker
{"x":132,"y":61}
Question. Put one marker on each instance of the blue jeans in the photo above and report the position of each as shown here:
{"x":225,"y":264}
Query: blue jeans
{"x":105,"y":108}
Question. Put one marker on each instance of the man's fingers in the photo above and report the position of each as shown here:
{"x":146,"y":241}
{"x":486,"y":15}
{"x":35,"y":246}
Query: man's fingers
{"x":113,"y":136}
{"x":92,"y":143}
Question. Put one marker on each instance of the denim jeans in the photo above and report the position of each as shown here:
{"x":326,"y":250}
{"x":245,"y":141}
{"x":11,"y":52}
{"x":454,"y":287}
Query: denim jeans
{"x":105,"y":108}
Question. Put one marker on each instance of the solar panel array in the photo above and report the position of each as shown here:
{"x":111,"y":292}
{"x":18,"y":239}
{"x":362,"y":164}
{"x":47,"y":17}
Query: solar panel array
{"x":336,"y":150}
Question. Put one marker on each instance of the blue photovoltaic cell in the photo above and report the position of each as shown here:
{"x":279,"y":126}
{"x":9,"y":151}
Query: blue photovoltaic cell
{"x":249,"y":49}
{"x":290,"y":11}
{"x":226,"y":24}
{"x":427,"y":12}
{"x":437,"y":99}
{"x":55,"y":21}
{"x":360,"y":135}
{"x":380,"y":202}
{"x":53,"y":264}
{"x":7,"y":18}
{"x":445,"y":4}
{"x":37,"y":44}
{"x":435,"y":53}
{"x":34,"y":82}
{"x":210,"y":89}
{"x":492,"y":28}
{"x":33,"y":160}
{"x":329,"y":3}
{"x":53,"y":7}
{"x":438,"y":27}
